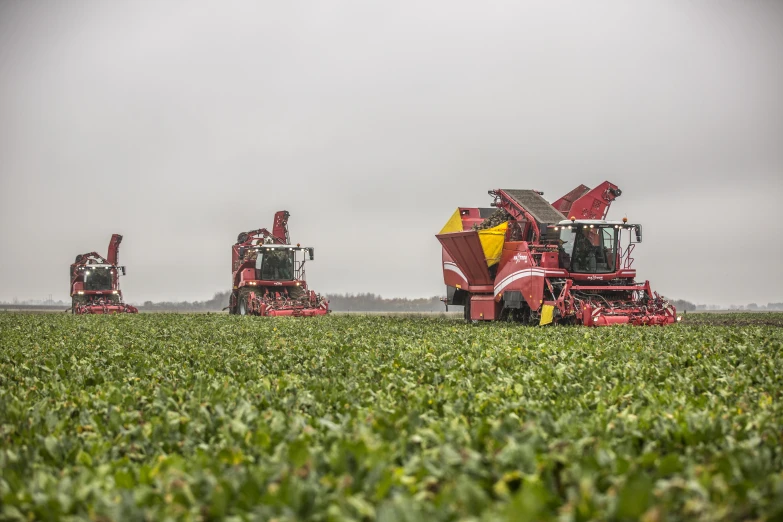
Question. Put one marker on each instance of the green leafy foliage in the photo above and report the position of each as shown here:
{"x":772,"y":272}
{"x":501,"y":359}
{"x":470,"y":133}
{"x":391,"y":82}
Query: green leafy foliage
{"x":203,"y":417}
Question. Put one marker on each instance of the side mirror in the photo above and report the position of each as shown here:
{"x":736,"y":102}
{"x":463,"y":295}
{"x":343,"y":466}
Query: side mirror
{"x":121,"y":269}
{"x":312,"y":253}
{"x":638,"y":230}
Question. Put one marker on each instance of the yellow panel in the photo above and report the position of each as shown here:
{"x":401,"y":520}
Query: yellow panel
{"x":492,"y":240}
{"x":454,"y":224}
{"x":546,"y":314}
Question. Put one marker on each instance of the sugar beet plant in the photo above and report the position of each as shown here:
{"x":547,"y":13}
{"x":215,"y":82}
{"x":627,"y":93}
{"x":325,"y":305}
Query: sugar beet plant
{"x":206,"y":417}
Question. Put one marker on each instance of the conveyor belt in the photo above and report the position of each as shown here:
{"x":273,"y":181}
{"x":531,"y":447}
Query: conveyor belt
{"x":539,"y":208}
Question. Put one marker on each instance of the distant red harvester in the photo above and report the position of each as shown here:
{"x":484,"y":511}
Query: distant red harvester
{"x":95,"y":282}
{"x":268,"y":274}
{"x":529,"y":263}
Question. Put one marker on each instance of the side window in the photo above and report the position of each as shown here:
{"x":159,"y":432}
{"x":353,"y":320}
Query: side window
{"x":608,"y":240}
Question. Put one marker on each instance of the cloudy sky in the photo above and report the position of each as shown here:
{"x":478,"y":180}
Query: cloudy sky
{"x":180,"y":124}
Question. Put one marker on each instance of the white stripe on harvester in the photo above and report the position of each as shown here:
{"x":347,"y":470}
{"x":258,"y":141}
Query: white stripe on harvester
{"x":528,"y":272}
{"x":454,"y":268}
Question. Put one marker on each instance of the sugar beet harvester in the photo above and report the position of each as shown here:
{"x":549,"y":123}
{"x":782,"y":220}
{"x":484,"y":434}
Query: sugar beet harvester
{"x":268,"y":274}
{"x":95,"y":282}
{"x":525,"y":261}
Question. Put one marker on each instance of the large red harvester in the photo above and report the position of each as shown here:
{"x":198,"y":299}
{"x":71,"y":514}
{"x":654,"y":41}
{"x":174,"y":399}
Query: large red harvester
{"x":95,"y":282}
{"x":526,"y":261}
{"x":268,"y":274}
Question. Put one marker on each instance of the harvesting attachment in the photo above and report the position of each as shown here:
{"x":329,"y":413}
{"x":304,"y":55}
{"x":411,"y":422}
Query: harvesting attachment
{"x":95,"y":282}
{"x":532,"y":262}
{"x":268,"y":274}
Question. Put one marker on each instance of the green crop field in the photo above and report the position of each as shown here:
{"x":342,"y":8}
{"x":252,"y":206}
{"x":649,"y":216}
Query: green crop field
{"x":201,"y":417}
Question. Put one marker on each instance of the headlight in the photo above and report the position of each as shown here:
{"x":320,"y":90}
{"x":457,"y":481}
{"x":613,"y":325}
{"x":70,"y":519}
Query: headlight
{"x":80,"y":292}
{"x":679,"y":318}
{"x":114,"y":291}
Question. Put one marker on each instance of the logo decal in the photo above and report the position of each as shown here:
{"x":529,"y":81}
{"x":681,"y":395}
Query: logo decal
{"x":520,"y":257}
{"x":596,"y":278}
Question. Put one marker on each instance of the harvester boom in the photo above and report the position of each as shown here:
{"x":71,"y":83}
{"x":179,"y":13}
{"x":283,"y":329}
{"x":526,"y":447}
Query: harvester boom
{"x":113,"y":256}
{"x":586,"y":203}
{"x":280,"y":228}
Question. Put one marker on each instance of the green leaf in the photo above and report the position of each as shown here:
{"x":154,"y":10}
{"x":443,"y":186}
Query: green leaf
{"x":298,"y":452}
{"x":84,"y":458}
{"x":124,"y":479}
{"x":635,"y":497}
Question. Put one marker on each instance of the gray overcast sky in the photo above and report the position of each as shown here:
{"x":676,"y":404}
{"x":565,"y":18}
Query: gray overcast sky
{"x":180,"y":124}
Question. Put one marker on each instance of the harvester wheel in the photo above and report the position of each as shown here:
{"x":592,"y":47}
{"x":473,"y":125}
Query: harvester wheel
{"x":241,"y":238}
{"x":242,"y":303}
{"x":78,"y":258}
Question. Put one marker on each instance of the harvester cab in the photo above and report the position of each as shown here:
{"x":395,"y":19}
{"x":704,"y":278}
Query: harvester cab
{"x":527,"y":262}
{"x":595,"y":246}
{"x":95,"y":282}
{"x":268,"y":274}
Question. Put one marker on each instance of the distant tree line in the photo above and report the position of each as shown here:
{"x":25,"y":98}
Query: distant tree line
{"x":754,"y":307}
{"x":367,"y":302}
{"x":216,"y":304}
{"x":683,"y":305}
{"x":363,"y":302}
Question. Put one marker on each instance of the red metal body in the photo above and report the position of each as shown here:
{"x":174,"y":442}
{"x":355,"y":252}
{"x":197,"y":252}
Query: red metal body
{"x":268,"y":274}
{"x":95,"y":282}
{"x":552,"y":269}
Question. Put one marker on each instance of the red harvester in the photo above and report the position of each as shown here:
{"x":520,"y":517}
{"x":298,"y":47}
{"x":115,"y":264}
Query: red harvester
{"x":268,"y":274}
{"x":95,"y":282}
{"x":526,"y":261}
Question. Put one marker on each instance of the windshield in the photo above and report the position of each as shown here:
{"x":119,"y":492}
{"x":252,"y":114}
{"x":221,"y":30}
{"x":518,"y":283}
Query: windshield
{"x":97,"y":279}
{"x":275,"y":265}
{"x":588,"y":250}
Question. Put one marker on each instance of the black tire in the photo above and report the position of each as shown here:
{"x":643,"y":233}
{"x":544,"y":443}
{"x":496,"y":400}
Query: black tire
{"x":241,"y":308}
{"x":241,"y":238}
{"x":78,"y":258}
{"x":466,"y":310}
